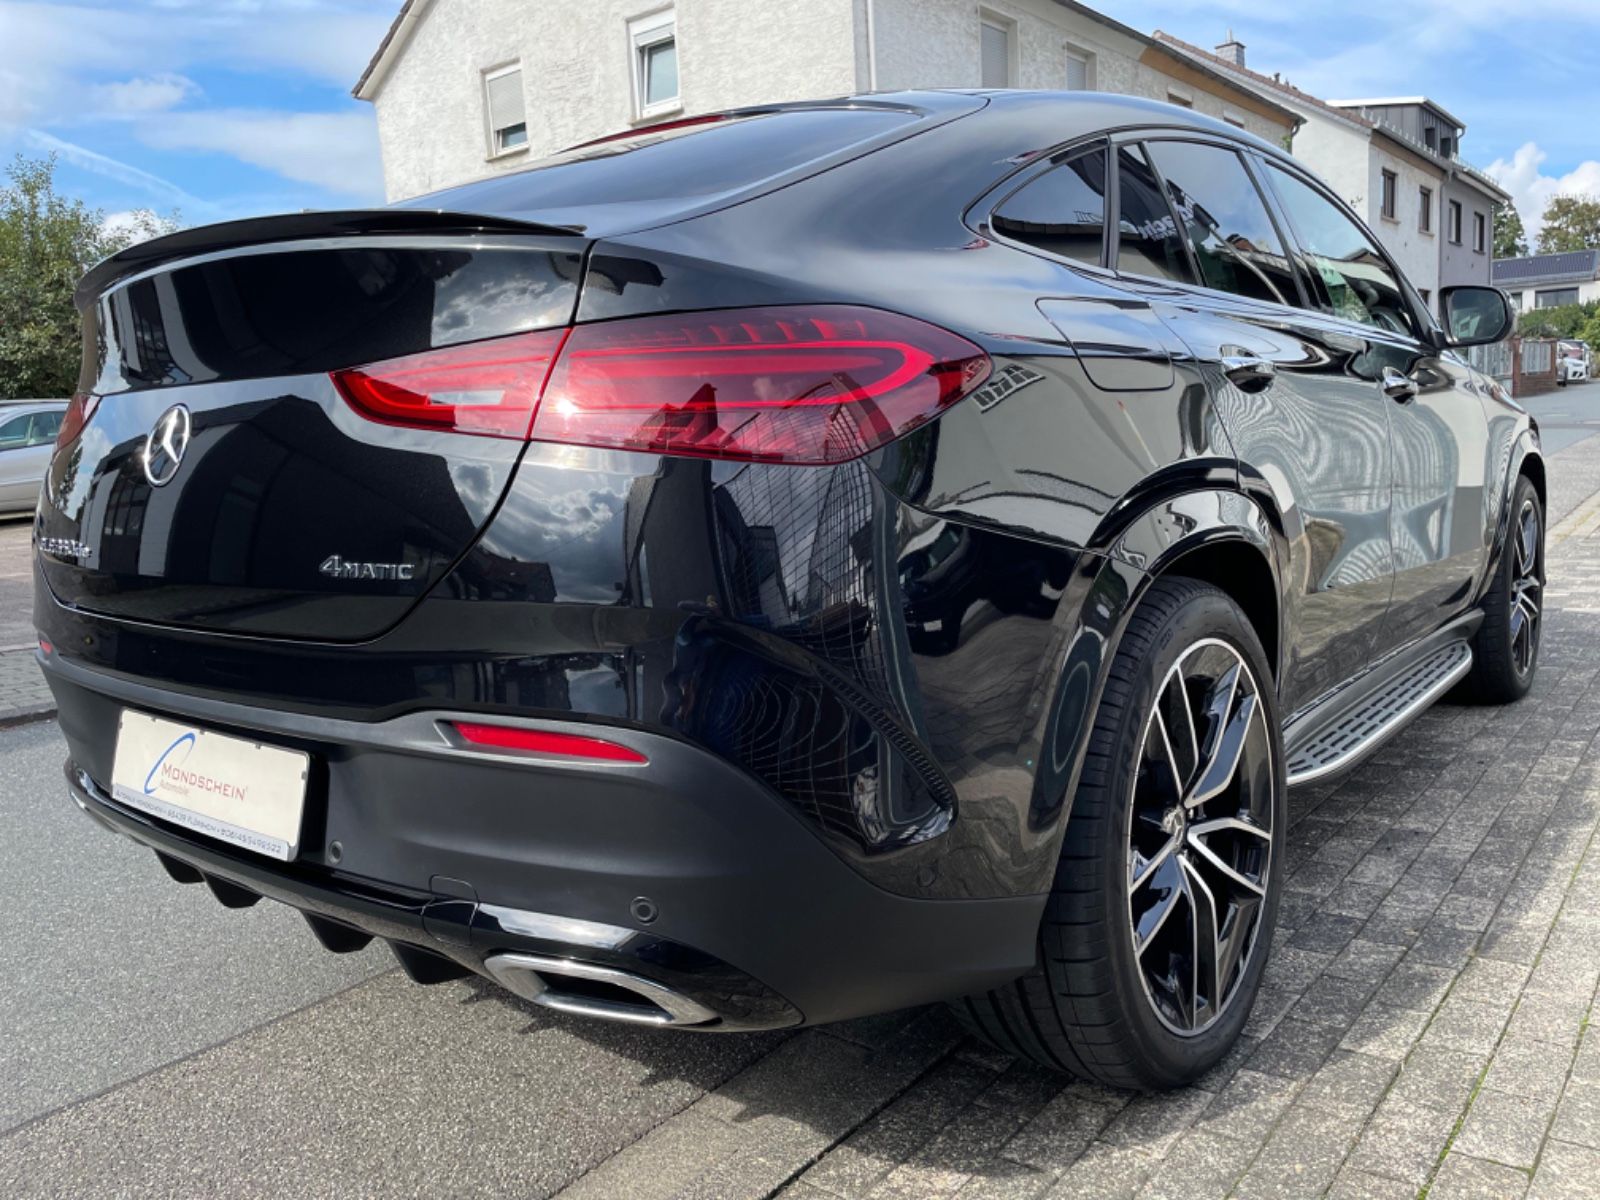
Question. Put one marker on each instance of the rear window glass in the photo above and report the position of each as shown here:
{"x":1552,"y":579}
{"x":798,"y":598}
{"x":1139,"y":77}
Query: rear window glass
{"x":691,"y":161}
{"x":1063,"y":211}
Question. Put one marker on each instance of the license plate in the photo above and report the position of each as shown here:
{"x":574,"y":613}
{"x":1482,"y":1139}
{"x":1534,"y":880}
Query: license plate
{"x":224,"y":787}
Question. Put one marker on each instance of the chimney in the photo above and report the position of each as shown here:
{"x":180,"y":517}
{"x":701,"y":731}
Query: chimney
{"x":1232,"y":50}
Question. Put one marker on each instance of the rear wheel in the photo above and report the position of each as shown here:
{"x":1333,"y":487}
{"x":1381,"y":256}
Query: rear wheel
{"x":1505,"y":650}
{"x":1161,"y":914}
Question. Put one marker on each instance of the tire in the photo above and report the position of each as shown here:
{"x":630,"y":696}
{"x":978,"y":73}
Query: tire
{"x":1503,"y":663}
{"x":1088,"y":1007}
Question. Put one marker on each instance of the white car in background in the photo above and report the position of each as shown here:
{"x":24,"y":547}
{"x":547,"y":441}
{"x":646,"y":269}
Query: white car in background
{"x":1572,"y":361}
{"x":28,"y":431}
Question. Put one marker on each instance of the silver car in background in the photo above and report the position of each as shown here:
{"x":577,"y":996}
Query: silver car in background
{"x":28,"y":431}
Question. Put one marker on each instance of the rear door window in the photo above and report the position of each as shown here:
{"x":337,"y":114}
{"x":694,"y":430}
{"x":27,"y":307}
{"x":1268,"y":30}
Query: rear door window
{"x":1062,"y":211}
{"x":1347,"y":274}
{"x":1148,"y":240}
{"x":1235,"y":245}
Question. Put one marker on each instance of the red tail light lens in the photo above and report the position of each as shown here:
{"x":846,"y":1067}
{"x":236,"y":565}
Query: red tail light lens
{"x":79,"y":410}
{"x":540,"y":741}
{"x":489,"y":388}
{"x":814,"y":385}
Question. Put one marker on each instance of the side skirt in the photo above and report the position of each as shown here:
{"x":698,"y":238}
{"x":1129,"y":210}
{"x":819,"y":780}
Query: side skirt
{"x":1341,"y":730}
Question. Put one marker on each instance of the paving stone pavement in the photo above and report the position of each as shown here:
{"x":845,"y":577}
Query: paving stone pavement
{"x":1423,"y":1027}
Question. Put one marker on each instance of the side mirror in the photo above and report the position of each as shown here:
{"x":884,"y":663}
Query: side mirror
{"x":1476,"y":316}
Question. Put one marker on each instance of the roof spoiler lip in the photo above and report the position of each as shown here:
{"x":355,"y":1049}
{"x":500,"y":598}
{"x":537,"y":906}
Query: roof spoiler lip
{"x":287,"y":227}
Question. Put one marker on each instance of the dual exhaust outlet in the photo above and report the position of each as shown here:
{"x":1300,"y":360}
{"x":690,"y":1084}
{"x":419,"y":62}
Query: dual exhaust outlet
{"x":589,"y":990}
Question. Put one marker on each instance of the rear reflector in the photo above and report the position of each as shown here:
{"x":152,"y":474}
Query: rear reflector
{"x":489,"y":388}
{"x":810,"y":385}
{"x":539,"y":741}
{"x":815,"y":385}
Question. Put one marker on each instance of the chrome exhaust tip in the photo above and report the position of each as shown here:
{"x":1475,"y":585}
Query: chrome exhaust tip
{"x":588,"y":990}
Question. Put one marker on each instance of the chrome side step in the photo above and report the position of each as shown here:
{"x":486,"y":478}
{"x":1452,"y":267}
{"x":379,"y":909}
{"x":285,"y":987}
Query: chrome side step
{"x":1356,"y":733}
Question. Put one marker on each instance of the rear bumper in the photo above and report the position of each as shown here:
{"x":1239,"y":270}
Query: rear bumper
{"x":457,"y":857}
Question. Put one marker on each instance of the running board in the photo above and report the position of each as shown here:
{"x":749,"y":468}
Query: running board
{"x":1355,"y":733}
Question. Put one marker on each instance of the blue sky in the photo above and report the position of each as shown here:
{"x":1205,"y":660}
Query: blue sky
{"x":222,"y":108}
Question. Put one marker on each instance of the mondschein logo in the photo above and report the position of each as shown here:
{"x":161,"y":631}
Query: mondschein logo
{"x":169,"y":766}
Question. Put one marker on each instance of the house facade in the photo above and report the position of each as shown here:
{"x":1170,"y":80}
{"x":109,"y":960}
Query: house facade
{"x":1468,"y":198}
{"x":1432,"y":211}
{"x":466,"y":88}
{"x":1550,"y":280}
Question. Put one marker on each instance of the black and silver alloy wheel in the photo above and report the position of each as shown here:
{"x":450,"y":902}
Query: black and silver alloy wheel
{"x":1505,"y":650}
{"x":1160,"y":916}
{"x":1527,"y":587}
{"x":1200,"y":836}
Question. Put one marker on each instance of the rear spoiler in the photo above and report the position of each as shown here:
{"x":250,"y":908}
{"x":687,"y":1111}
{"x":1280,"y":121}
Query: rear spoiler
{"x":288,"y":227}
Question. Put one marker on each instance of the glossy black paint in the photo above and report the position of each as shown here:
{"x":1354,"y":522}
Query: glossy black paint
{"x":903,"y":652}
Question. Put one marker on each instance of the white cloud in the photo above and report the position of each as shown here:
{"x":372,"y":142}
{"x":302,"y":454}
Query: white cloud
{"x":147,"y":94}
{"x":1523,"y":176}
{"x":336,"y":151}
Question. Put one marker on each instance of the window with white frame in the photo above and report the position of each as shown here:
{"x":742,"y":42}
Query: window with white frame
{"x":654,"y":44}
{"x":1080,"y":70}
{"x":995,"y":49}
{"x":506,"y":109}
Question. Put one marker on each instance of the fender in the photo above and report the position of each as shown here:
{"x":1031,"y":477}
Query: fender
{"x":1146,"y":548}
{"x":1524,"y":447}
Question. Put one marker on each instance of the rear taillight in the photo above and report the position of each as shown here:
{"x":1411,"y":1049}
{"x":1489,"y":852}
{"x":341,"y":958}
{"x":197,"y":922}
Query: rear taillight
{"x":79,"y":410}
{"x":795,"y":385}
{"x":489,"y":388}
{"x":814,"y":385}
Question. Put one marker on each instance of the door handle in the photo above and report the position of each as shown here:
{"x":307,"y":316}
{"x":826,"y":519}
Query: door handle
{"x":1398,"y":387}
{"x":1249,"y":373}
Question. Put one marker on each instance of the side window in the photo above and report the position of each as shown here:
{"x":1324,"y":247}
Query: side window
{"x":1235,"y":244}
{"x":1348,"y":275}
{"x":1063,"y":211}
{"x":14,"y":432}
{"x":1148,"y":241}
{"x":45,"y":427}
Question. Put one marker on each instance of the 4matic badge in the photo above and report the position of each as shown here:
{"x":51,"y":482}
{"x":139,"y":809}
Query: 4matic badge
{"x":335,"y":567}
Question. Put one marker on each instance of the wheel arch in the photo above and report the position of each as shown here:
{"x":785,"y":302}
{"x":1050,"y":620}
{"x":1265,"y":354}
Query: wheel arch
{"x":1220,"y":536}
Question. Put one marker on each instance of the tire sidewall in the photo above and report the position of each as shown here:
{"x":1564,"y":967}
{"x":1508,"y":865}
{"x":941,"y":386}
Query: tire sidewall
{"x":1169,"y":1056}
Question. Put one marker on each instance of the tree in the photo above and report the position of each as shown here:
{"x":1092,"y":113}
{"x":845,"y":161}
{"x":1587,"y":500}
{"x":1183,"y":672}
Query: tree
{"x":1570,"y":223}
{"x":46,"y":242}
{"x":1510,"y":239}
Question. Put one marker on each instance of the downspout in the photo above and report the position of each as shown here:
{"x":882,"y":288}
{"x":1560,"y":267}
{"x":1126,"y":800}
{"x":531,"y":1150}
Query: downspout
{"x":872,"y":51}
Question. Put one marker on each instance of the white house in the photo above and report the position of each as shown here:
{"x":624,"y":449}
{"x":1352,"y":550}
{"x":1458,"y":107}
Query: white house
{"x":1550,"y":280}
{"x":465,"y":88}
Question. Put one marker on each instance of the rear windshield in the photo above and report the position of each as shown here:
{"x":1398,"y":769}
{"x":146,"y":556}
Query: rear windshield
{"x":694,"y":162}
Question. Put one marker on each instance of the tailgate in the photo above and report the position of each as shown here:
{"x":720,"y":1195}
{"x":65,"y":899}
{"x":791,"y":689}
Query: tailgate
{"x":212,"y":475}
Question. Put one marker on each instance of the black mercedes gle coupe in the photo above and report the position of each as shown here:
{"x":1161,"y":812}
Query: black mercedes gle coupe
{"x":787,"y":565}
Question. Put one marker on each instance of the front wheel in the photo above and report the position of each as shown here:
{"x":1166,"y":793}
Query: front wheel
{"x":1505,"y":650}
{"x":1160,"y":917}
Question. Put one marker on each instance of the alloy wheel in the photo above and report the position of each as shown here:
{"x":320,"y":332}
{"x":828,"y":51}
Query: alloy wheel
{"x":1200,"y":836}
{"x":1527,"y":588}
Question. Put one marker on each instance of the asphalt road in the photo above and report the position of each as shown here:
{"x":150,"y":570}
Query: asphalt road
{"x":1566,"y":416}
